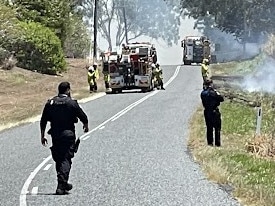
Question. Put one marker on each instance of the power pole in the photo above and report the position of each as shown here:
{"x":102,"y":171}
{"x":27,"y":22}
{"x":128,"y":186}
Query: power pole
{"x":95,"y":30}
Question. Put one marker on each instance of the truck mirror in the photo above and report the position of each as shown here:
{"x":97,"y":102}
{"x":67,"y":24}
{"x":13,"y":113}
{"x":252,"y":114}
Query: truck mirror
{"x":182,"y":44}
{"x":217,"y":47}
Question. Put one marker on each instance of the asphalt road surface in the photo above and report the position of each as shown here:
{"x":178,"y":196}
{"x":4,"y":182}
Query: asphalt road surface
{"x":135,"y":153}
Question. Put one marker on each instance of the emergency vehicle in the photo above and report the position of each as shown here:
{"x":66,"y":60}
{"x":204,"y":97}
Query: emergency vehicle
{"x":195,"y":49}
{"x":132,"y":68}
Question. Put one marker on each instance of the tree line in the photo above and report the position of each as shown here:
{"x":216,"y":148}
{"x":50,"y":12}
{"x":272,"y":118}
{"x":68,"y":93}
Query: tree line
{"x":41,"y":33}
{"x":247,"y":20}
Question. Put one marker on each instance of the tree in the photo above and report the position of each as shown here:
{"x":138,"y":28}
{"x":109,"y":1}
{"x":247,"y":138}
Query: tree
{"x":77,"y":42}
{"x":9,"y":29}
{"x":150,"y":18}
{"x":40,"y":49}
{"x":53,"y":14}
{"x":238,"y":17}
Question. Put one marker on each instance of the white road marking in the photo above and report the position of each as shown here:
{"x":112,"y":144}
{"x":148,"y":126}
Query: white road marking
{"x":47,"y":167}
{"x":24,"y":191}
{"x":102,"y":127}
{"x":34,"y":191}
{"x":86,"y":137}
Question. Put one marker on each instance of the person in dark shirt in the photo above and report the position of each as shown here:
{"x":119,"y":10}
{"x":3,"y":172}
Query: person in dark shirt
{"x":211,"y":99}
{"x":62,"y":112}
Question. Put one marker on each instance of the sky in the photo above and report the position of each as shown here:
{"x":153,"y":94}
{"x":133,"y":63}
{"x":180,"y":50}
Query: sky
{"x":166,"y":55}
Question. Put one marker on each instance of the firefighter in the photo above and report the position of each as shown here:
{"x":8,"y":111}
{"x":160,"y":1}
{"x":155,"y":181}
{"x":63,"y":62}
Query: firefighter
{"x":158,"y":75}
{"x":106,"y":77}
{"x":211,"y":99}
{"x":205,"y":69}
{"x":93,"y":76}
{"x":62,"y":112}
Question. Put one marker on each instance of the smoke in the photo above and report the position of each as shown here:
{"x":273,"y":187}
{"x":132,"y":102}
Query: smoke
{"x":263,"y":79}
{"x":230,"y":48}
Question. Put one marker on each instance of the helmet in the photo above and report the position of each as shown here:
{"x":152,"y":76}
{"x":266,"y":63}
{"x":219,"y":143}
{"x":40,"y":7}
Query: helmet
{"x":95,"y":64}
{"x":204,"y":61}
{"x":153,"y":65}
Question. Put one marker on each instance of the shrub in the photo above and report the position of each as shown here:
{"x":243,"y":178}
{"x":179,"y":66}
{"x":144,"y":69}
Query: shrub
{"x":40,"y":49}
{"x":10,"y":33}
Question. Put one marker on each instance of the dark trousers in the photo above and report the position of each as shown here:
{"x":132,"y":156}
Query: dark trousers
{"x":62,"y":153}
{"x":107,"y":86}
{"x":93,"y":87}
{"x":213,"y":121}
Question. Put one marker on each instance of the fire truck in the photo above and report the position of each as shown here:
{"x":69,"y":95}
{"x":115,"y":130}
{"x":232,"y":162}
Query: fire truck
{"x":131,"y":69}
{"x":195,"y":49}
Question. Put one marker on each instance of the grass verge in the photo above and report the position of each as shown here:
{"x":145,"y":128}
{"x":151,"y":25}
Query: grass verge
{"x":23,"y":93}
{"x":250,"y":173}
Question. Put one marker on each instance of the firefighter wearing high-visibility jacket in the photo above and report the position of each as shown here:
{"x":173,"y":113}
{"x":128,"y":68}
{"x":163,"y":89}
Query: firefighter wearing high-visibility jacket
{"x":157,"y":72}
{"x":205,"y":70}
{"x":93,"y":76}
{"x":106,"y":77}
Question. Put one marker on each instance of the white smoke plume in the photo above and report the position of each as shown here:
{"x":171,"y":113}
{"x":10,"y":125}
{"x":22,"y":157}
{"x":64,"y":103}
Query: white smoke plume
{"x":263,"y":79}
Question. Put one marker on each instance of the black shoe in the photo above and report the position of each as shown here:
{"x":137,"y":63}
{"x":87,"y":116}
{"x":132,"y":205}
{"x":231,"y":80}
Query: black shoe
{"x":68,"y":187}
{"x":61,"y":192}
{"x":163,"y":88}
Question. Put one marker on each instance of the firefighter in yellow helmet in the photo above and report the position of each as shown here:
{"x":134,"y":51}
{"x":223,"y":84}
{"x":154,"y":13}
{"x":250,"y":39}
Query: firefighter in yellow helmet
{"x":205,"y":70}
{"x":158,"y":75}
{"x":93,"y":76}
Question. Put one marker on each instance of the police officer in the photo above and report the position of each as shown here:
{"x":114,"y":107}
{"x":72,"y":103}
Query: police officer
{"x":211,"y":99}
{"x":62,"y":112}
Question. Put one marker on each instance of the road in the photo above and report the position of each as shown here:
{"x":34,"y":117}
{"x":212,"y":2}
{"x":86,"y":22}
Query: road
{"x":135,"y":154}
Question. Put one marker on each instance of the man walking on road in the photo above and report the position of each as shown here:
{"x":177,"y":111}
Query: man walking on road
{"x":211,"y":99}
{"x":62,"y":112}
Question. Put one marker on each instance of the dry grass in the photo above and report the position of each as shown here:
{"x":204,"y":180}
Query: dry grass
{"x":23,"y":93}
{"x":251,"y":177}
{"x":244,"y":162}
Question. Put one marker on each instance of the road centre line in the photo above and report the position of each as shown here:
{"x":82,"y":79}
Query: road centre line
{"x":47,"y":167}
{"x":24,"y":191}
{"x":147,"y":96}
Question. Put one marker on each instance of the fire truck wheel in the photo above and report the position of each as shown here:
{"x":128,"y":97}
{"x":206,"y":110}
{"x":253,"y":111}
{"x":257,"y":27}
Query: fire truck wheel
{"x":114,"y":91}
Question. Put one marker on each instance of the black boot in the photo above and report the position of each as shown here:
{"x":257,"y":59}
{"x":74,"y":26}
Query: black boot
{"x":63,"y":188}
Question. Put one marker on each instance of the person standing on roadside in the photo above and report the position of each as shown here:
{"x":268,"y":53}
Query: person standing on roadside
{"x":93,"y":76}
{"x":205,"y":70}
{"x":62,"y":112}
{"x":211,"y":99}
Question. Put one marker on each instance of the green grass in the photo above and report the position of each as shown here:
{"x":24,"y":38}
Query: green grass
{"x":237,"y":67}
{"x":252,"y":176}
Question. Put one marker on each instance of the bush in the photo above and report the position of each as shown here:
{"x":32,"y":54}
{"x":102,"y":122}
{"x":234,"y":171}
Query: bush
{"x":10,"y":32}
{"x":40,"y":49}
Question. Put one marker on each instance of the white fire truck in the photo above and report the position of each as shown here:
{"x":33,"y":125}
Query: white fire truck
{"x":132,"y":68}
{"x":195,"y":49}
